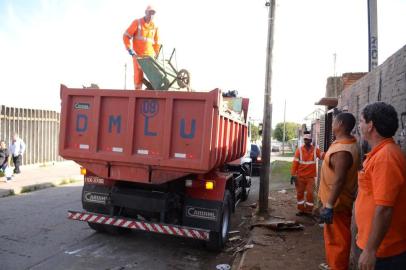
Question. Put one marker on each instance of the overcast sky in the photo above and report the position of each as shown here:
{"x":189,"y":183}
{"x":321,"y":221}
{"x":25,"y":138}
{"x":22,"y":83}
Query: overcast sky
{"x":44,"y":43}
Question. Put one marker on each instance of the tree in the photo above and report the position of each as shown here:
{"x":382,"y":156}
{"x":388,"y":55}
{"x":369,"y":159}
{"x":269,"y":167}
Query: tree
{"x":254,"y":133}
{"x":291,"y":131}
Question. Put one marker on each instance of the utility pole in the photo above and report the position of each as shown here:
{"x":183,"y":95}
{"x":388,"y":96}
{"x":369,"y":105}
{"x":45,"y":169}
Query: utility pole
{"x":267,"y":117}
{"x":372,"y":35}
{"x":284,"y":129}
{"x":125,"y":76}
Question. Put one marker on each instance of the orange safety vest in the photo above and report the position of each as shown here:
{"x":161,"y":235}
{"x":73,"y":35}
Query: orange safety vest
{"x":327,"y":176}
{"x":304,"y":163}
{"x":144,"y":37}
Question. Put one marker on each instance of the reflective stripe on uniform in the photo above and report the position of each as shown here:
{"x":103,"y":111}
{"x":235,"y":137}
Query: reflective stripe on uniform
{"x":127,"y":35}
{"x":301,"y":202}
{"x":301,"y":161}
{"x":310,"y":204}
{"x":300,"y":154}
{"x":144,"y":39}
{"x":296,"y":159}
{"x":307,"y":162}
{"x":139,"y":34}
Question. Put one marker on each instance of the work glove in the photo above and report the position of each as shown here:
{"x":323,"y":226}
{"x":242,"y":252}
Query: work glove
{"x":131,"y":52}
{"x":293,"y":180}
{"x":326,"y":215}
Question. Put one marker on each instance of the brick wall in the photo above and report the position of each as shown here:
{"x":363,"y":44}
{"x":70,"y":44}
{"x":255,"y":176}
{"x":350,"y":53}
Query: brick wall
{"x":386,"y":83}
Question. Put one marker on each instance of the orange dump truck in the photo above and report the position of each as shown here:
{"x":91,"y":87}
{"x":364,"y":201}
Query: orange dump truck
{"x":167,"y":162}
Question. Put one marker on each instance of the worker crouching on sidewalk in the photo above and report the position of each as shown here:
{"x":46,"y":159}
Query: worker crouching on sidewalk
{"x":338,"y":183}
{"x":303,"y":174}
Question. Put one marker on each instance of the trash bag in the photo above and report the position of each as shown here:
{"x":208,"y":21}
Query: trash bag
{"x":8,"y":172}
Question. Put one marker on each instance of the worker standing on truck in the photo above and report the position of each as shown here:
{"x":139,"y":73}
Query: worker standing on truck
{"x":144,"y":35}
{"x":303,"y":174}
{"x":338,"y":184}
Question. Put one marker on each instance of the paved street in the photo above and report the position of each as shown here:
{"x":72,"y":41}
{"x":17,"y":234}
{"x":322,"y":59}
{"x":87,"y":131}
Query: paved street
{"x":35,"y":234}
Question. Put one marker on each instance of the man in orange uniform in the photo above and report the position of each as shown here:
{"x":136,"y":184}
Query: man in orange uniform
{"x":380,"y":208}
{"x":338,"y":183}
{"x":303,"y":173}
{"x":144,"y":36}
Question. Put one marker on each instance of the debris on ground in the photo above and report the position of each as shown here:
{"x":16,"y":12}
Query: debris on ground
{"x":234,"y":238}
{"x":283,"y":191}
{"x":223,"y":267}
{"x":280,"y":225}
{"x":279,"y":217}
{"x":243,"y":248}
{"x":253,"y":205}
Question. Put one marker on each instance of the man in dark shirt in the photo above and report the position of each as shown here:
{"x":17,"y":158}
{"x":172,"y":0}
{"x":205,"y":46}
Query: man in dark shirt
{"x":4,"y":156}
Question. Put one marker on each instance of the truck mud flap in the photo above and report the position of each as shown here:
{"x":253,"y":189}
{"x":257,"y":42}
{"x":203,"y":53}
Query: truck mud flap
{"x":139,"y":225}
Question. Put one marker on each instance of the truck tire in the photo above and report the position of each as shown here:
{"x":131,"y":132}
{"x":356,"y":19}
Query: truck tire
{"x":246,"y":183}
{"x":245,"y":191}
{"x":218,"y":239}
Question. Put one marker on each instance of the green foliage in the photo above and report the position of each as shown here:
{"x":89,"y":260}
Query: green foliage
{"x":281,"y":171}
{"x":254,"y":133}
{"x":291,"y":131}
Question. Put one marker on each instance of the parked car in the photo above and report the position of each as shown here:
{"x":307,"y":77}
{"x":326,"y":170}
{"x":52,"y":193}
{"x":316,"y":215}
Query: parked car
{"x":255,"y":155}
{"x":275,"y":147}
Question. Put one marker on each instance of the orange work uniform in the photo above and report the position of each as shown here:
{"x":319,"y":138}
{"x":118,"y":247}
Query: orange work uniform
{"x":383,"y":182}
{"x":145,"y":39}
{"x":304,"y":168}
{"x":337,"y":236}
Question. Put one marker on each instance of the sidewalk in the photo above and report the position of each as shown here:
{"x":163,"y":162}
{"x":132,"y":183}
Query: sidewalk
{"x":34,"y":177}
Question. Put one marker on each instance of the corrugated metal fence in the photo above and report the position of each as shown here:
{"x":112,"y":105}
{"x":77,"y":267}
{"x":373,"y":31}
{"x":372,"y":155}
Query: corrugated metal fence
{"x":39,"y":129}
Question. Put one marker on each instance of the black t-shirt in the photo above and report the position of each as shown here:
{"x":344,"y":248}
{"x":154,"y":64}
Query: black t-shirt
{"x":3,"y":156}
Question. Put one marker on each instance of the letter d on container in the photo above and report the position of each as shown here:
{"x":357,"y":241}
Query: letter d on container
{"x":81,"y":123}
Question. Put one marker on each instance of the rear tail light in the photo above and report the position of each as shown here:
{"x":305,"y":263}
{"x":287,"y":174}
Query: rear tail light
{"x":259,"y":159}
{"x":204,"y":184}
{"x":209,"y":185}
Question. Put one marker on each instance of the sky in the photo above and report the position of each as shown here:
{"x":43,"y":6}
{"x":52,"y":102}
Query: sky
{"x":45,"y":43}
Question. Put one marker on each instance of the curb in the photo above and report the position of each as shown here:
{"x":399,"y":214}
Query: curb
{"x":34,"y":187}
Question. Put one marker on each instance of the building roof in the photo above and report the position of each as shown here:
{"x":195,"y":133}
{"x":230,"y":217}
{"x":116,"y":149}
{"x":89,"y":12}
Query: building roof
{"x":327,"y":101}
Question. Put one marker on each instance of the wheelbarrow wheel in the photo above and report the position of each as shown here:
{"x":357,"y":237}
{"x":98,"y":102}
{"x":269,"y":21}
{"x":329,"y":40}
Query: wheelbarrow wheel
{"x":183,"y":78}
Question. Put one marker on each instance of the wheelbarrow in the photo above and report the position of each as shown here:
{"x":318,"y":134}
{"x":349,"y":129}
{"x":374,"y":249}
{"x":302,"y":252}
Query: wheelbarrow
{"x":162,"y":75}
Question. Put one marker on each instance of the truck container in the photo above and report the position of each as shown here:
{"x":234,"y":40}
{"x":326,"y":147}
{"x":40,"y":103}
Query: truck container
{"x":168,"y":162}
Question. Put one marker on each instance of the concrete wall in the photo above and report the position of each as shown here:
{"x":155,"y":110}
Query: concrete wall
{"x":386,"y":83}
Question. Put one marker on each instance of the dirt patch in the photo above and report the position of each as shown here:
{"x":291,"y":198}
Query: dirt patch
{"x":301,"y":249}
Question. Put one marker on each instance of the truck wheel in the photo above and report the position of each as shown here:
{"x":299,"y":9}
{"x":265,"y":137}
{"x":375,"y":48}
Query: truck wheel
{"x":246,"y":184}
{"x":245,"y":191}
{"x":218,"y":239}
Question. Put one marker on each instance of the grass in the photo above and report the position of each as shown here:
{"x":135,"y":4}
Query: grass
{"x":288,"y":154}
{"x":281,"y":170}
{"x":67,"y":181}
{"x":32,"y":188}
